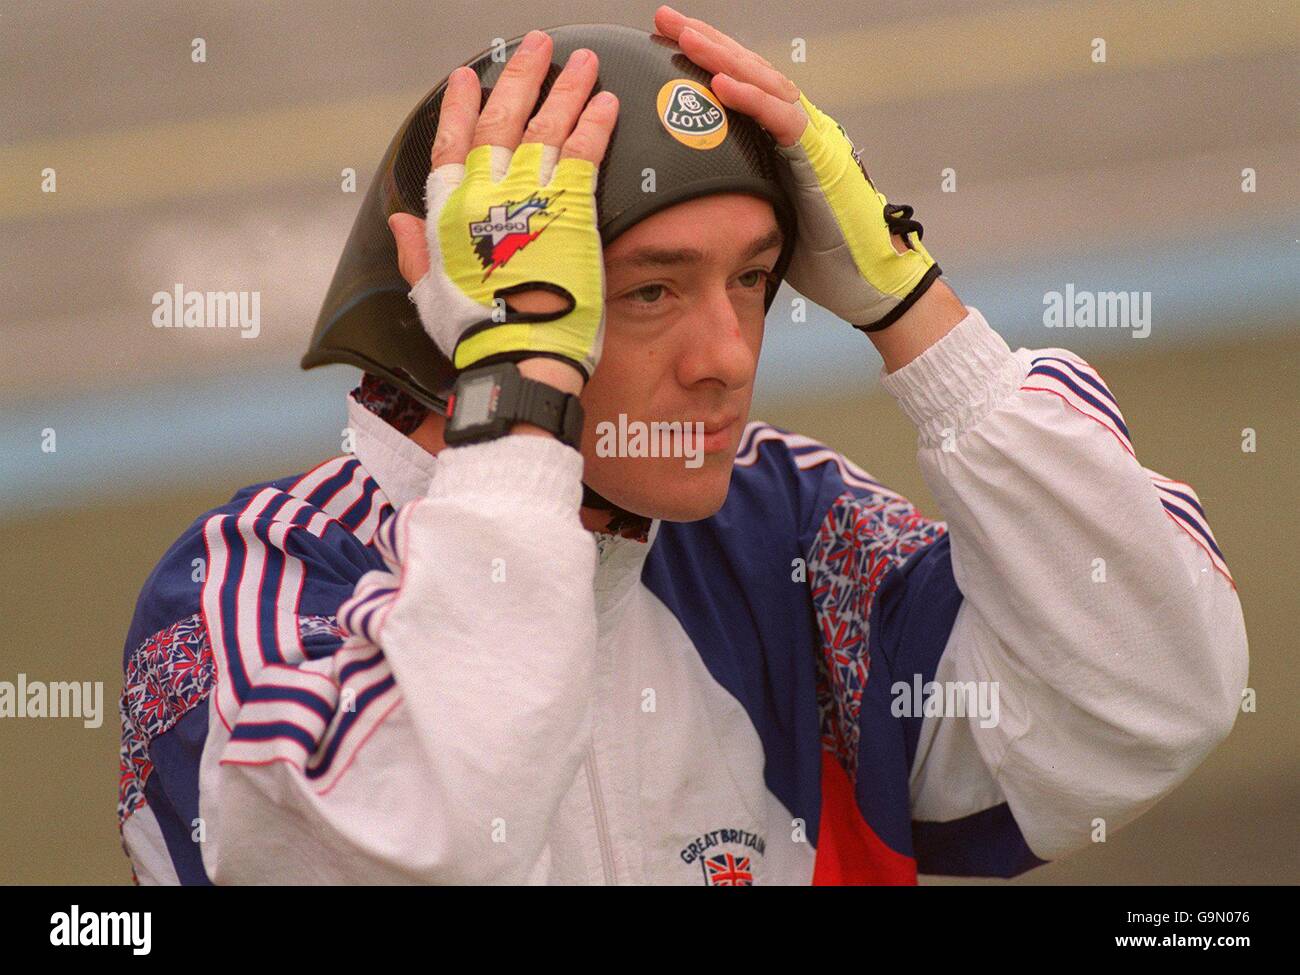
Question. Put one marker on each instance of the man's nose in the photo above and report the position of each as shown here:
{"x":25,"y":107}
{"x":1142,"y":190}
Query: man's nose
{"x":721,"y":344}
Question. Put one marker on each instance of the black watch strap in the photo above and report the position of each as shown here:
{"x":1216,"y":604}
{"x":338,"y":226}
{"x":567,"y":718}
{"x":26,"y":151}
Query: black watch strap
{"x":554,"y":410}
{"x":489,"y":400}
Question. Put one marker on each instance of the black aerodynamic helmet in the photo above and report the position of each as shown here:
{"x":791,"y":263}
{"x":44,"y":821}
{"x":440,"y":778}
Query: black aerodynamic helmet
{"x":672,"y":134}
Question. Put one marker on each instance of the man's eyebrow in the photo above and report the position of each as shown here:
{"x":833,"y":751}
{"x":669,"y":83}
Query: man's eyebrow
{"x":651,"y":256}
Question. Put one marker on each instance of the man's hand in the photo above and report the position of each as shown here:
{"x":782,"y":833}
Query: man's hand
{"x":857,"y":255}
{"x":548,"y":265}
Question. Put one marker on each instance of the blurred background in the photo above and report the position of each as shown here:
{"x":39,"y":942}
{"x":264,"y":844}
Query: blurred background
{"x":1169,"y":167}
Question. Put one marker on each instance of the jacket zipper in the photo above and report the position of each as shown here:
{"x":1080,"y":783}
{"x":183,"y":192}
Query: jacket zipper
{"x":602,"y":822}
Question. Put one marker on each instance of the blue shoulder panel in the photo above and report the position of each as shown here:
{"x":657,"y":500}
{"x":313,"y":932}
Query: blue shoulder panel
{"x":167,"y":659}
{"x":736,"y":582}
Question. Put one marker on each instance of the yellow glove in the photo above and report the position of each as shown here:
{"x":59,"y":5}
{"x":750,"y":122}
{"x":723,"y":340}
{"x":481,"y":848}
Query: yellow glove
{"x":844,"y":259}
{"x":505,"y":222}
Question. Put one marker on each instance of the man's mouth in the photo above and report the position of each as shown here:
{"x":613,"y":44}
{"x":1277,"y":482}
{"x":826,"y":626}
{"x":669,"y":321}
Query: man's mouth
{"x":719,"y":432}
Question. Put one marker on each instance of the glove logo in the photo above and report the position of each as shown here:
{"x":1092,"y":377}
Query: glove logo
{"x":507,"y":229}
{"x":691,"y":114}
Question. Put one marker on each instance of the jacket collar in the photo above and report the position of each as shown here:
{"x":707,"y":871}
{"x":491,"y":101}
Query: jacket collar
{"x":399,"y":465}
{"x":403,"y":470}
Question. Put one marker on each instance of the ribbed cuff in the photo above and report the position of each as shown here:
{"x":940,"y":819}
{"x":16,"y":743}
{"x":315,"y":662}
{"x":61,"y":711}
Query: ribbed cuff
{"x":538,"y":471}
{"x":956,"y":382}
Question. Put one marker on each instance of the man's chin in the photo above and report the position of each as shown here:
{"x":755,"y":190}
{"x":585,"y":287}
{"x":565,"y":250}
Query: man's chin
{"x":678,"y":498}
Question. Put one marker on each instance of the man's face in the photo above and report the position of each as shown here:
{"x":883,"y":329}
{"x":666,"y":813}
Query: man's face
{"x":683,"y":328}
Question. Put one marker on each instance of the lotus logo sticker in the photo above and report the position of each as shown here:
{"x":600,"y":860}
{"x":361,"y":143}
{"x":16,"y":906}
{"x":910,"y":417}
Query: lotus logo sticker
{"x":691,"y":114}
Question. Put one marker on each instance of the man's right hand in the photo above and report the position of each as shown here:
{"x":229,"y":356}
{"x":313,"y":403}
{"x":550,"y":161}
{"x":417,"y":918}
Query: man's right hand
{"x":549,"y":266}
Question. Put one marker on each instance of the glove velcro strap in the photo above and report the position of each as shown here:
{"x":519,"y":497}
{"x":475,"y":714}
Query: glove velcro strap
{"x":898,"y":216}
{"x":521,"y":355}
{"x":516,"y":337}
{"x":899,"y":310}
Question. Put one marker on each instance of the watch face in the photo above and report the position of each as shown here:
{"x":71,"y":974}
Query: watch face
{"x":474,"y":402}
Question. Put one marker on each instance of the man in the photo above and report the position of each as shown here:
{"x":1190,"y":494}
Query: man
{"x":432,"y":662}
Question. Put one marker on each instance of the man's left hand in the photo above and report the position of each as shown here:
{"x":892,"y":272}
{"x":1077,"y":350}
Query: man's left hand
{"x":846,"y":258}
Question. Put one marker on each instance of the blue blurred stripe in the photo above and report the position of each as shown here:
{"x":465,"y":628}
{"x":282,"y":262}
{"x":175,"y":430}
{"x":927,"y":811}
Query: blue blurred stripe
{"x":141,"y":440}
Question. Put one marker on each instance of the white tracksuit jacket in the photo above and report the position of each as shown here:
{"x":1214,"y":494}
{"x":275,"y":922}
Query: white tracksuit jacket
{"x":397,"y":668}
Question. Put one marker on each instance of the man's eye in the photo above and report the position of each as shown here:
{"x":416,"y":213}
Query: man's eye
{"x":757,"y":277}
{"x":641,"y":297}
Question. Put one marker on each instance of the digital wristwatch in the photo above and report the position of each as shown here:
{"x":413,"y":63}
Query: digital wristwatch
{"x":487,"y":401}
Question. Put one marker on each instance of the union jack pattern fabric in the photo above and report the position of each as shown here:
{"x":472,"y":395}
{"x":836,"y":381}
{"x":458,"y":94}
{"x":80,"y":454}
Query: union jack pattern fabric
{"x":862,"y":538}
{"x":728,"y":870}
{"x":396,"y":407}
{"x":167,"y":676}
